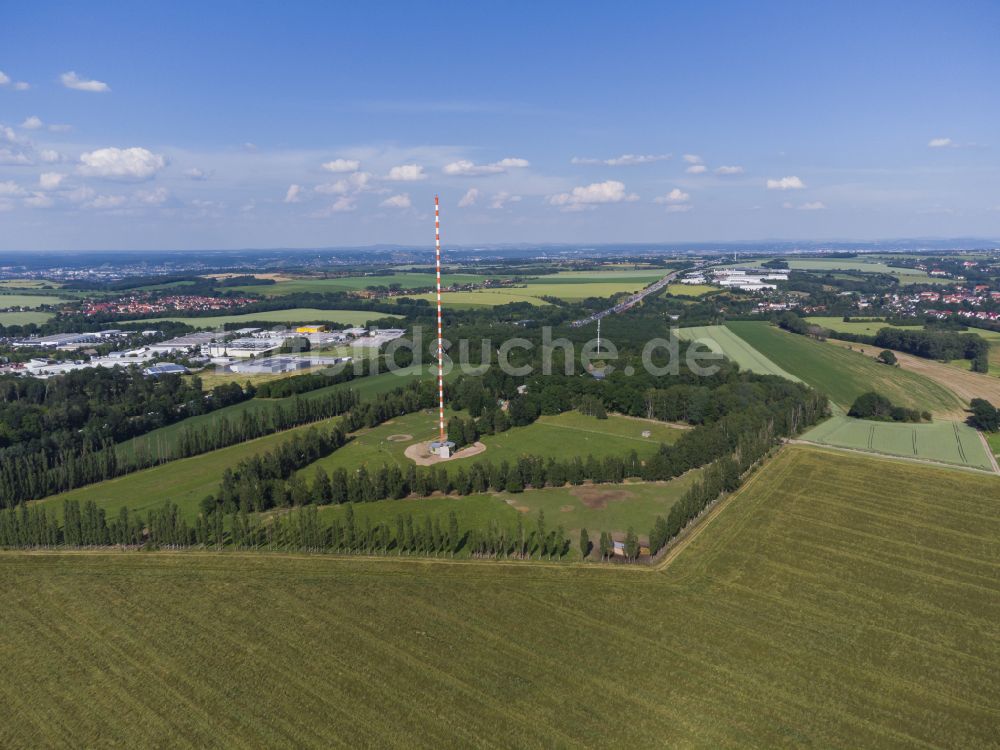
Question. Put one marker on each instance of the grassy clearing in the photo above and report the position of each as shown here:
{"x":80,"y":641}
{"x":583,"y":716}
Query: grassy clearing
{"x":562,"y":437}
{"x":602,"y":507}
{"x":691,"y":290}
{"x":185,"y":481}
{"x":24,"y":318}
{"x":29,"y":300}
{"x":302,"y":315}
{"x":834,"y":323}
{"x":948,"y":442}
{"x":844,"y":374}
{"x":366,"y":387}
{"x":721,"y":340}
{"x":838,"y":602}
{"x":483,"y":298}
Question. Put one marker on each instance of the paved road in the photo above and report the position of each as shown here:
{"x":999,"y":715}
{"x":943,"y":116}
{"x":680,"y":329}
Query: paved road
{"x":628,"y":302}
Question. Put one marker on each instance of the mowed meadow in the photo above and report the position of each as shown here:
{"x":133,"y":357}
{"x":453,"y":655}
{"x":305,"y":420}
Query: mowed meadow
{"x":836,"y":600}
{"x":843,"y":374}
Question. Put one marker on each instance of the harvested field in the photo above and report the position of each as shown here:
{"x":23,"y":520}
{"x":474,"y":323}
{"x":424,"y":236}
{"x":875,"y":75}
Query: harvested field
{"x":963,"y":383}
{"x":839,"y":601}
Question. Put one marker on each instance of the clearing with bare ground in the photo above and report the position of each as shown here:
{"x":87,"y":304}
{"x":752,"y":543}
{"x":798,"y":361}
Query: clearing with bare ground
{"x":399,"y":438}
{"x":597,"y":497}
{"x":419,"y":454}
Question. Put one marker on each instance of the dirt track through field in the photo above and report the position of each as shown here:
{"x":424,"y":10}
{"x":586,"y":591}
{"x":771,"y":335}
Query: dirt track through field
{"x":965,"y":385}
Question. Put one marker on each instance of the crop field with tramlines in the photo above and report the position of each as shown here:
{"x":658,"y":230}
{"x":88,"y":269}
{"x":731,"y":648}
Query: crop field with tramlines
{"x":837,"y":600}
{"x":948,"y":442}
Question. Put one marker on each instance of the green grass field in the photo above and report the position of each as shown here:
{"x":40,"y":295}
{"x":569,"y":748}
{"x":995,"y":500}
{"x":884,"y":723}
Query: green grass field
{"x":29,"y":300}
{"x":844,"y":374}
{"x":948,"y":442}
{"x":562,"y":436}
{"x":184,"y":482}
{"x":837,"y":324}
{"x":355,"y":283}
{"x":994,"y":440}
{"x":366,"y":387}
{"x":566,"y":285}
{"x":296,"y":315}
{"x":720,"y":339}
{"x":691,"y":290}
{"x":15,"y":284}
{"x":24,"y":318}
{"x":839,"y":601}
{"x":903,"y":275}
{"x":601,"y":507}
{"x":187,"y":481}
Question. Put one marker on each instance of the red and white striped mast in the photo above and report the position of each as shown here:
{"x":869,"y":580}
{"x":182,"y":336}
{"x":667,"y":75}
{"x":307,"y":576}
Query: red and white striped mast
{"x":437,"y":248}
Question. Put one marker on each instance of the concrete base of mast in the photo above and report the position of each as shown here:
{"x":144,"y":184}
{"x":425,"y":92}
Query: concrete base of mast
{"x":442,"y":449}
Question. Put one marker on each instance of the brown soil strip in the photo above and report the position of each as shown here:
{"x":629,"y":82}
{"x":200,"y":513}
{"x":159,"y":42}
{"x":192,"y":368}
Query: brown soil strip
{"x":402,"y":438}
{"x":598,"y":496}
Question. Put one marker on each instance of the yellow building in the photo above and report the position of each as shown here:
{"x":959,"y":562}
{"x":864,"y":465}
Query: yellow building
{"x":311,"y":329}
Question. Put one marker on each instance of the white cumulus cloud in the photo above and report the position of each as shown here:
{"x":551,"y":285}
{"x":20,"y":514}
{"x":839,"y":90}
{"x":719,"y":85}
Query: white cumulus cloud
{"x":134,"y":164}
{"x":156,"y":197}
{"x":469,"y":199}
{"x":50,"y":180}
{"x":397,"y":201}
{"x":195,"y":174}
{"x":786,"y":183}
{"x":940,"y":143}
{"x":500,"y":200}
{"x":464,"y":167}
{"x":293,"y":194}
{"x":610,"y":191}
{"x":344,"y":203}
{"x":625,"y":160}
{"x":11,"y":189}
{"x":72,"y":81}
{"x":674,"y":196}
{"x":729,"y":169}
{"x":106,"y":202}
{"x":406,"y":173}
{"x":33,"y":123}
{"x":341,"y":166}
{"x":39,"y":200}
{"x":5,"y":81}
{"x":692,"y":159}
{"x":696,"y":169}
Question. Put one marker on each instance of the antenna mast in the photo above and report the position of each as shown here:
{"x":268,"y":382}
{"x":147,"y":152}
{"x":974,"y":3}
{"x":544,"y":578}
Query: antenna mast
{"x":437,"y":248}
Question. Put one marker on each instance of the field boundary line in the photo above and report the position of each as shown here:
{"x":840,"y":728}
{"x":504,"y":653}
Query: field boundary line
{"x":989,"y":452}
{"x":891,"y":457}
{"x":685,"y":540}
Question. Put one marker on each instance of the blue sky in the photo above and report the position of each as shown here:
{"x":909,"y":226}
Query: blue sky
{"x":225,"y":125}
